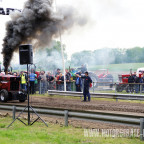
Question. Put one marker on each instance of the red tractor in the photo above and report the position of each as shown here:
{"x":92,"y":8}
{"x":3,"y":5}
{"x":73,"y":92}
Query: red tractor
{"x":123,"y":85}
{"x":10,"y":88}
{"x":101,"y":78}
{"x":104,"y":77}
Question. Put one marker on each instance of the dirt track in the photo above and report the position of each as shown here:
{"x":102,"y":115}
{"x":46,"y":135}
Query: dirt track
{"x":76,"y":104}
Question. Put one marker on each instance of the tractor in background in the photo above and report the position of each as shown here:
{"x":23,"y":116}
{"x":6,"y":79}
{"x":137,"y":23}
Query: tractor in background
{"x":101,"y":78}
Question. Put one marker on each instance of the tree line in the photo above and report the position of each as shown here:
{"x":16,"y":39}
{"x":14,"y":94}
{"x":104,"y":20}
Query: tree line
{"x":108,"y":56}
{"x":50,"y":57}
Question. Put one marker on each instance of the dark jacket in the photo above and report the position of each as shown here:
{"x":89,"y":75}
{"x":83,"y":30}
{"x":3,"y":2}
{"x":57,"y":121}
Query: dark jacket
{"x":87,"y":81}
{"x":49,"y":78}
{"x":138,"y":80}
{"x":131,"y":79}
{"x":68,"y":76}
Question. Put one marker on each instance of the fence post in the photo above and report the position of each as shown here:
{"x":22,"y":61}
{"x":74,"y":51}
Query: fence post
{"x":142,"y":129}
{"x":14,"y":111}
{"x":66,"y":117}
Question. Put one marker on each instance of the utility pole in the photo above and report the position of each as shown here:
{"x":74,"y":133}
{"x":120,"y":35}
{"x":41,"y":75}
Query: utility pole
{"x":62,"y":53}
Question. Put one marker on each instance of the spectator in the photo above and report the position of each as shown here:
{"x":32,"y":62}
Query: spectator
{"x":57,"y":72}
{"x":137,"y":81}
{"x":57,"y":82}
{"x":142,"y":81}
{"x":61,"y":82}
{"x":72,"y":72}
{"x":42,"y":86}
{"x":78,"y":83}
{"x":50,"y":81}
{"x":32,"y":80}
{"x":68,"y":80}
{"x":35,"y":83}
{"x":134,"y":75}
{"x":87,"y":81}
{"x":131,"y":81}
{"x":23,"y":81}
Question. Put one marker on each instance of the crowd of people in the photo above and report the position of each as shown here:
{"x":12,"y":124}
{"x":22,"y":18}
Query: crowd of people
{"x":43,"y":81}
{"x":135,"y":81}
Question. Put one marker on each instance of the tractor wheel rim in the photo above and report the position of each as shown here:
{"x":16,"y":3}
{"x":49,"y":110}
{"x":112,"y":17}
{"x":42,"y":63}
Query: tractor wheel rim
{"x":2,"y":97}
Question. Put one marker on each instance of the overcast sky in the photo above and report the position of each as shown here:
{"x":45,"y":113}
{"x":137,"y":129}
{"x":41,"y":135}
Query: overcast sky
{"x":112,"y":24}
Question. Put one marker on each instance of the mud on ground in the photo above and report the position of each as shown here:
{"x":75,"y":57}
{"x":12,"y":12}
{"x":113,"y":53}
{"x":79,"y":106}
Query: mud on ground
{"x":94,"y":105}
{"x":77,"y":104}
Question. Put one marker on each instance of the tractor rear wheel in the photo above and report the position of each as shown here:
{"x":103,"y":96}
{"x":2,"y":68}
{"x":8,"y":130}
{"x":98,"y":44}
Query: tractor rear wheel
{"x":3,"y":95}
{"x":94,"y":78}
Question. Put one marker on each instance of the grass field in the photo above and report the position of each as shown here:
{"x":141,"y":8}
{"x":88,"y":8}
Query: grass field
{"x":118,"y":67}
{"x":54,"y":134}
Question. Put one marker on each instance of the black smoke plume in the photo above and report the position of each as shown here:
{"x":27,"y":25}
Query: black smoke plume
{"x":37,"y":24}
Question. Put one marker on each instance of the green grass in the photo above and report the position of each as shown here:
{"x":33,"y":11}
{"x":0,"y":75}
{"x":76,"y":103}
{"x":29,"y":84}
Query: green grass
{"x":118,"y":67}
{"x":54,"y":134}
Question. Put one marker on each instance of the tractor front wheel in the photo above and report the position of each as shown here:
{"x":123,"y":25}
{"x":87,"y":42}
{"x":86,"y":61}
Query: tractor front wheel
{"x":3,"y":95}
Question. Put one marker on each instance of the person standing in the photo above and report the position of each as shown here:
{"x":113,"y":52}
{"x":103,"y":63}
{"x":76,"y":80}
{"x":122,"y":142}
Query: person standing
{"x":134,"y":75}
{"x":142,"y":81}
{"x":50,"y":81}
{"x":137,"y":85}
{"x":68,"y":80}
{"x":61,"y":82}
{"x":78,"y":83}
{"x":87,"y":81}
{"x":32,"y":81}
{"x":57,"y":72}
{"x":42,"y":79}
{"x":56,"y":78}
{"x":131,"y":80}
{"x":23,"y":81}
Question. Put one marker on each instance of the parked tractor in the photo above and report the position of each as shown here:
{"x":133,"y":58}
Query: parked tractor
{"x":123,"y":83}
{"x":101,"y":78}
{"x":10,"y":88}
